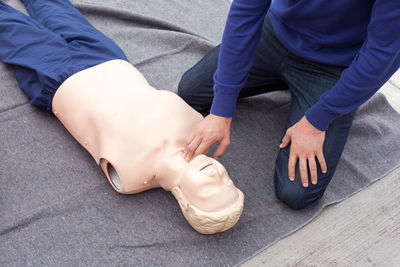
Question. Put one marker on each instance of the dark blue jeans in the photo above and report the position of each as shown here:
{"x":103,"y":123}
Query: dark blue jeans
{"x":55,"y":42}
{"x":276,"y":68}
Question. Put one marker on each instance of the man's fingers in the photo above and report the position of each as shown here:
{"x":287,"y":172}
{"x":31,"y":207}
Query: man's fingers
{"x":292,"y":166}
{"x":303,"y":171}
{"x":188,"y":141}
{"x":322,"y":163}
{"x":192,"y":147}
{"x":285,"y":140}
{"x":202,"y":148}
{"x":313,"y":169}
{"x":221,"y":149}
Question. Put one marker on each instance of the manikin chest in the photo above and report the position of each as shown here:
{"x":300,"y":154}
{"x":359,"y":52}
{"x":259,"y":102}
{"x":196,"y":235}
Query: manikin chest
{"x":123,"y":122}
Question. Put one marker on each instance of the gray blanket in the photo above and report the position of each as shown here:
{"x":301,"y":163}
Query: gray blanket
{"x":56,"y":207}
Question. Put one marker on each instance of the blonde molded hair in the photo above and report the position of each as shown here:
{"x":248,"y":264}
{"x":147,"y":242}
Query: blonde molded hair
{"x":212,"y":222}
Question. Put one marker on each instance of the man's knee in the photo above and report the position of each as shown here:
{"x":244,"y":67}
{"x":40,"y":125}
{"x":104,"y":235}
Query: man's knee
{"x":196,"y":92}
{"x":296,"y":197}
{"x":196,"y":84}
{"x":293,"y":194}
{"x":184,"y":87}
{"x":188,"y":93}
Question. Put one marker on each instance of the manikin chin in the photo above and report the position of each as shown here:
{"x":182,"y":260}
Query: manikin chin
{"x":136,"y":133}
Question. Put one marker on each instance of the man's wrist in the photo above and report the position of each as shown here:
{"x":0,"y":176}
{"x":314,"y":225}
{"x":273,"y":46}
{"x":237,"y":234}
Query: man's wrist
{"x":319,"y":117}
{"x":227,"y":119}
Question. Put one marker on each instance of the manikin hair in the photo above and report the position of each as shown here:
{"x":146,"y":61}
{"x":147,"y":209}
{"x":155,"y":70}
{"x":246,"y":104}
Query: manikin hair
{"x":210,"y":222}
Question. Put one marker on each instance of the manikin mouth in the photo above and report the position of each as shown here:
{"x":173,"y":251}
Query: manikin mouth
{"x":205,"y":166}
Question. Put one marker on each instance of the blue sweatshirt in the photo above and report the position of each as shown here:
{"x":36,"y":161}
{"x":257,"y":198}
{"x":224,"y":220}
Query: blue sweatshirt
{"x":361,"y":34}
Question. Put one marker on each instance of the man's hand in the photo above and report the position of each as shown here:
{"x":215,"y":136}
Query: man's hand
{"x":307,"y":143}
{"x":212,"y":129}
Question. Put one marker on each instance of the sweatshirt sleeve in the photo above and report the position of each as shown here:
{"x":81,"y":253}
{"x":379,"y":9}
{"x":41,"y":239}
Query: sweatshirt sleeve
{"x":239,"y":43}
{"x":377,"y":60}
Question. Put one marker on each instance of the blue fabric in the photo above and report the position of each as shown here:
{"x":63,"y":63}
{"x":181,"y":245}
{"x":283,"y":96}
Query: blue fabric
{"x":276,"y":68}
{"x":51,"y":45}
{"x":361,"y":34}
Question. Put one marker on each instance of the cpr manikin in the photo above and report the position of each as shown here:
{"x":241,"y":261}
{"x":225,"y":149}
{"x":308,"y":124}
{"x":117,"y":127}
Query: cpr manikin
{"x":136,"y":133}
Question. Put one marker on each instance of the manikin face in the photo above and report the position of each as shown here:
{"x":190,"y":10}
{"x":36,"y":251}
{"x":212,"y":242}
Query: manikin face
{"x":206,"y":185}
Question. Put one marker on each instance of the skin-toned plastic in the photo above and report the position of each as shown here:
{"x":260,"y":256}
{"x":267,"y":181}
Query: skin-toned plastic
{"x":136,"y":133}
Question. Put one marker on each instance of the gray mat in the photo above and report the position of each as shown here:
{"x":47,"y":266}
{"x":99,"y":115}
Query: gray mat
{"x":57,"y":208}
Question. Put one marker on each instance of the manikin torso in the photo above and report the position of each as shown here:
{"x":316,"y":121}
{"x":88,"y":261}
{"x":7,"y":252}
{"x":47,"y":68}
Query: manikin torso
{"x":122,"y":121}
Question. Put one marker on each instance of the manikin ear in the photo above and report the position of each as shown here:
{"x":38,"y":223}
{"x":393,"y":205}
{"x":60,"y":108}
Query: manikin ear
{"x":176,"y":191}
{"x":170,"y":170}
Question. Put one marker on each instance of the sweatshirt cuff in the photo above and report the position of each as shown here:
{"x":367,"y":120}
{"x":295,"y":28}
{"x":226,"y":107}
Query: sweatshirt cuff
{"x":320,"y":117}
{"x":224,"y":105}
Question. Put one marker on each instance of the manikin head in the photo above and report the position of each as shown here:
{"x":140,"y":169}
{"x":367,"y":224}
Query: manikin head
{"x":207,"y":196}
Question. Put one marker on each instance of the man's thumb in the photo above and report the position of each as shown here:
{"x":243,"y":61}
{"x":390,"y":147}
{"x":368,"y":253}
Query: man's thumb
{"x":285,"y":141}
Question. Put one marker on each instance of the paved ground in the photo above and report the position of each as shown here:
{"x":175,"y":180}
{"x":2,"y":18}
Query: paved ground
{"x":363,"y":230}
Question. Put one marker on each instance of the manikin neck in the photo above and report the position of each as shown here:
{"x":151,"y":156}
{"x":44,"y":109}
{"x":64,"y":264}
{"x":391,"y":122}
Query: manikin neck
{"x":170,"y":169}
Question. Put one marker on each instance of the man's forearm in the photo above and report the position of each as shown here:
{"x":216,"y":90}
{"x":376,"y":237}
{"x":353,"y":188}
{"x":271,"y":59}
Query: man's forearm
{"x":376,"y":62}
{"x":239,"y":43}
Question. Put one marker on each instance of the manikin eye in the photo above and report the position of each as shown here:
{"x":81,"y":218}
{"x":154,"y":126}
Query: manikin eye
{"x":208,"y":191}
